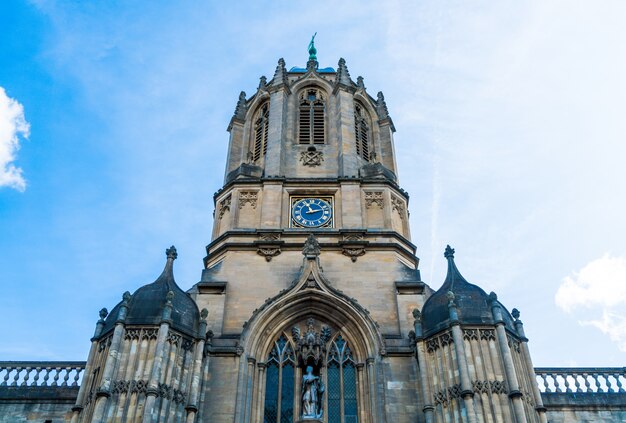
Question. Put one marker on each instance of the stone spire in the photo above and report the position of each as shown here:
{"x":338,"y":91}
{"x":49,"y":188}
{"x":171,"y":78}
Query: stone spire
{"x":359,"y":83}
{"x":280,"y":75}
{"x":343,"y":76}
{"x":381,"y":106}
{"x":240,"y":112}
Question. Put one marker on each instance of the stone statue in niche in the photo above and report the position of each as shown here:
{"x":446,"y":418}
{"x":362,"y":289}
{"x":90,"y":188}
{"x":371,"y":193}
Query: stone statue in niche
{"x":312,"y":395}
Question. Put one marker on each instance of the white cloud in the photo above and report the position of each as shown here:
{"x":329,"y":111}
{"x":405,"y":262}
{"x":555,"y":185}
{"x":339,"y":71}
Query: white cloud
{"x":13,"y":126}
{"x":598,"y":291}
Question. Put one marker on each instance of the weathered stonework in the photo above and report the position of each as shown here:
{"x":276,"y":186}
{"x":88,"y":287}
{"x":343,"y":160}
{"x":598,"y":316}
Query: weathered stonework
{"x":325,"y":322}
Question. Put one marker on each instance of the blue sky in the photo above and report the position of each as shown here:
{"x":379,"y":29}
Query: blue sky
{"x":510,"y":119}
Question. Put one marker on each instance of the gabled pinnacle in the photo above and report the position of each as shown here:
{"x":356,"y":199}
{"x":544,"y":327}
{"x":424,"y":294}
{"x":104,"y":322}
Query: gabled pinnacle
{"x":262,"y":83}
{"x":454,"y":276}
{"x":359,"y":83}
{"x":343,"y":76}
{"x":381,"y":106}
{"x":240,"y":109}
{"x":167,"y":276}
{"x":280,"y":75}
{"x":171,"y":253}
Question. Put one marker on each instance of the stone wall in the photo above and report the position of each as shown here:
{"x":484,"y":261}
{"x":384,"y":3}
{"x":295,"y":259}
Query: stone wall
{"x":596,"y":407}
{"x":36,"y":403}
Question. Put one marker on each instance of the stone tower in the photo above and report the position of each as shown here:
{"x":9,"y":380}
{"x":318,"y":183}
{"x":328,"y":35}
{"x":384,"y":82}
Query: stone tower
{"x":311,"y":153}
{"x":313,"y":308}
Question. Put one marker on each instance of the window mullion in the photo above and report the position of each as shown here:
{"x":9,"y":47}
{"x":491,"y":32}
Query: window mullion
{"x":311,"y":123}
{"x":341,"y":390}
{"x":280,"y":388}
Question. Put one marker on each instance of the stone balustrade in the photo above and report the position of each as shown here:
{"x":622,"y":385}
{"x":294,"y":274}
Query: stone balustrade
{"x":549,"y":379}
{"x":41,"y":373}
{"x":581,"y":379}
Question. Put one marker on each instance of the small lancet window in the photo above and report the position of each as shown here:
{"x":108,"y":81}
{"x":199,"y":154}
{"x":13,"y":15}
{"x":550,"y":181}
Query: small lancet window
{"x":279,"y":383}
{"x":361,"y":131}
{"x":311,"y":119}
{"x":341,"y":383}
{"x":261,"y":128}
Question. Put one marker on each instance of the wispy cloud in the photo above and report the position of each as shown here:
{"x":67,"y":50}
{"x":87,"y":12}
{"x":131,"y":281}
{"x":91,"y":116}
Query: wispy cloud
{"x":13,"y":128}
{"x":598,"y":292}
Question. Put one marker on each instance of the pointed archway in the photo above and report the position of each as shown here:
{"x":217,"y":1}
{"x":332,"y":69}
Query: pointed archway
{"x":312,"y":298}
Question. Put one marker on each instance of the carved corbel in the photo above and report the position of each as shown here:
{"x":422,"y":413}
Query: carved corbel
{"x":269,"y":245}
{"x":353,"y":244}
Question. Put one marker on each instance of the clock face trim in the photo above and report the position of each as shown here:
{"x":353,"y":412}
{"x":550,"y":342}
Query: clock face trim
{"x":311,"y":212}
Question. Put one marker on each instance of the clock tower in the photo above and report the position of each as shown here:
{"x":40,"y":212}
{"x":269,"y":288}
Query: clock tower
{"x":311,"y":167}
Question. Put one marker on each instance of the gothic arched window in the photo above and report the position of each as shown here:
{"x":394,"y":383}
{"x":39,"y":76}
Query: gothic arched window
{"x":261,"y":127}
{"x":361,"y":131}
{"x":311,"y":117}
{"x":341,"y":382}
{"x":315,"y":377}
{"x":279,"y":383}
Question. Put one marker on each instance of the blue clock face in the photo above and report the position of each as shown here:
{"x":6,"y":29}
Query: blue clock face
{"x":311,"y":212}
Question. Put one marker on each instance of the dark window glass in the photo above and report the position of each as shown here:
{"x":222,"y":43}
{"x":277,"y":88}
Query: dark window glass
{"x":286,"y":402}
{"x":334,"y":393}
{"x":271,"y":393}
{"x":349,"y":392}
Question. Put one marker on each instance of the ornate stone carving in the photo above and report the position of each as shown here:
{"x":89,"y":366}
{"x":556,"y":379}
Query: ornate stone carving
{"x":398,"y":205}
{"x":246,"y":197}
{"x":353,"y":245}
{"x":132,"y":334}
{"x":489,"y":387}
{"x":487,"y":334}
{"x":446,"y":339}
{"x":432,"y":345}
{"x":312,"y":395}
{"x":311,"y":247}
{"x":446,"y":395}
{"x":351,"y":236}
{"x":268,"y":245}
{"x":269,"y":236}
{"x":470,"y":335}
{"x":151,"y":333}
{"x":187,"y":344}
{"x":353,"y":253}
{"x":224,"y":206}
{"x":104,"y":344}
{"x":268,"y":252}
{"x":442,"y":340}
{"x":311,"y":345}
{"x":311,"y":158}
{"x":120,"y":386}
{"x":513,"y":344}
{"x":374,"y":198}
{"x":174,"y":338}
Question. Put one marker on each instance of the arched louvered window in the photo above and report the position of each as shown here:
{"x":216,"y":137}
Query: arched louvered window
{"x":311,"y":117}
{"x":279,"y":383}
{"x":362,"y":132}
{"x":341,"y":382}
{"x":261,"y":127}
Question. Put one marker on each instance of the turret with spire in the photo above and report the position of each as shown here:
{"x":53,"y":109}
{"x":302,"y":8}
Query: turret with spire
{"x":491,"y":366}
